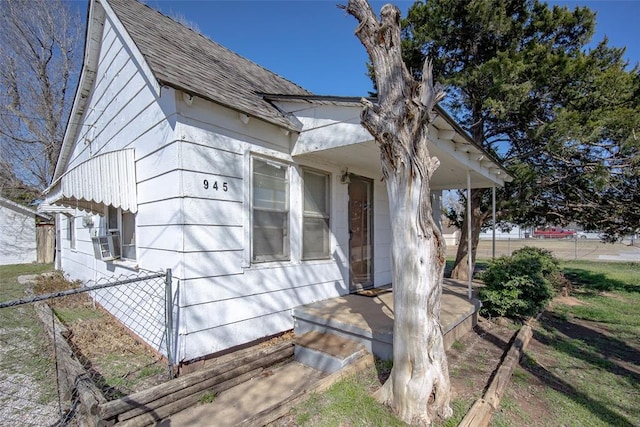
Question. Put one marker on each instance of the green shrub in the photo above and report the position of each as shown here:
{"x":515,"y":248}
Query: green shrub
{"x":548,"y":263}
{"x":519,"y":285}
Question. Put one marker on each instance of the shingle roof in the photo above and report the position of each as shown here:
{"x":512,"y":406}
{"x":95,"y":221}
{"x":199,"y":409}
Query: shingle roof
{"x":181,"y":58}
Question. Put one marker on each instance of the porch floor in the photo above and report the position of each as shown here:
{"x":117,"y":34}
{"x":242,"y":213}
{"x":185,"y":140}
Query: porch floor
{"x":369,"y":319}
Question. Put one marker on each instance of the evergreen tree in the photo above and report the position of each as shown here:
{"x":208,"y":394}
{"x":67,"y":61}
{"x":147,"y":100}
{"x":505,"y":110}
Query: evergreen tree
{"x":520,"y":81}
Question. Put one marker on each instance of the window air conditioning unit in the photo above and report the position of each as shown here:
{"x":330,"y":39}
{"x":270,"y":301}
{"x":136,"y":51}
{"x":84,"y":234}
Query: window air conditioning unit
{"x":106,"y":247}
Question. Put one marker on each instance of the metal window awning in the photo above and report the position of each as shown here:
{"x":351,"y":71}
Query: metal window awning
{"x":103,"y":180}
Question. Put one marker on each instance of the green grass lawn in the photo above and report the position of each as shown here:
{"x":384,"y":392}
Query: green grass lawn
{"x":24,"y":344}
{"x":22,"y":317}
{"x":9,"y":286}
{"x":587,"y":365}
{"x":347,"y":402}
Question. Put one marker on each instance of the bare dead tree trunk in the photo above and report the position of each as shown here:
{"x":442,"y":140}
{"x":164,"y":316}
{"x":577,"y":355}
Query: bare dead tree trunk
{"x":398,"y":122}
{"x":478,"y":217}
{"x":39,"y":46}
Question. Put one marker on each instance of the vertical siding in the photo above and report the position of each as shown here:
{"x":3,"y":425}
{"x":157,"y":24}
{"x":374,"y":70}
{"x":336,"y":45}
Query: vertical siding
{"x":17,"y":237}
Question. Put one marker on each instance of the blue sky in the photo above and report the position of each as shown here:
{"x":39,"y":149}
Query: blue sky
{"x":312,"y":43}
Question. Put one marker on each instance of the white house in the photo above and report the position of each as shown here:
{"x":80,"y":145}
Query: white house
{"x":18,"y":244}
{"x":259,"y":195}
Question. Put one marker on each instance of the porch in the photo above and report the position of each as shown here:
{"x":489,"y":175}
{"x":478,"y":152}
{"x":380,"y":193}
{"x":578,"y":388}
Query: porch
{"x":367,"y":319}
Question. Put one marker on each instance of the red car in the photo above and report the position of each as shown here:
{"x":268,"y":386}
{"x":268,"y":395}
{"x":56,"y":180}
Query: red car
{"x":553,"y":233}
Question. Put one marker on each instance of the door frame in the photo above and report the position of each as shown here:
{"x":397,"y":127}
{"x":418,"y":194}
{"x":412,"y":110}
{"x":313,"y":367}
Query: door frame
{"x":353,"y":285}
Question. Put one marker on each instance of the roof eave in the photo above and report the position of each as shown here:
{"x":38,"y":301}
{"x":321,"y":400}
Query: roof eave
{"x":95,"y":24}
{"x":286,"y":123}
{"x":355,"y":101}
{"x":508,"y":177}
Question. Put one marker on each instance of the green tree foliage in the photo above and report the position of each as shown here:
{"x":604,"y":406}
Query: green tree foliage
{"x":591,"y":163}
{"x":563,"y":119}
{"x":520,"y":285}
{"x":502,"y":61}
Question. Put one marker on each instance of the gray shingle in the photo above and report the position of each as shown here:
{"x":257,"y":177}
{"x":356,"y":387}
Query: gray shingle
{"x":183,"y":59}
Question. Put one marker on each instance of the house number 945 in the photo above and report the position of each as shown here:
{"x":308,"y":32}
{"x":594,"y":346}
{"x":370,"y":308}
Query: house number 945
{"x":214,"y":185}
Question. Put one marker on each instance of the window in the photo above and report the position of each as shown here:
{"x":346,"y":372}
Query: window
{"x":315,"y":221}
{"x":122,"y":226}
{"x":270,"y":216}
{"x":71,"y":231}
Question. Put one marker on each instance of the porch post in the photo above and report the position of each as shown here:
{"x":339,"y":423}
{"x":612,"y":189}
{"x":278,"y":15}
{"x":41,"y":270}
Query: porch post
{"x":493,"y":213}
{"x":469,"y":247}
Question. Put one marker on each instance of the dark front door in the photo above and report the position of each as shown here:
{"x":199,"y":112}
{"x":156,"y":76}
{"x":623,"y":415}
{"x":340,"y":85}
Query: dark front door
{"x":360,"y":232}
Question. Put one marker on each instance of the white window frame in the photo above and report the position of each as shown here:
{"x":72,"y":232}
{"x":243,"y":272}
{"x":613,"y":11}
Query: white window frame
{"x":117,"y":231}
{"x":316,"y":215}
{"x":71,"y":232}
{"x":286,"y":256}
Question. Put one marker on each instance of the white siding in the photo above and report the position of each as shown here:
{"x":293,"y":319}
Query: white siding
{"x":124,"y":110}
{"x":225,"y":300}
{"x":246,"y":318}
{"x":184,"y":150}
{"x":328,"y":126}
{"x":232,"y":334}
{"x":17,"y":237}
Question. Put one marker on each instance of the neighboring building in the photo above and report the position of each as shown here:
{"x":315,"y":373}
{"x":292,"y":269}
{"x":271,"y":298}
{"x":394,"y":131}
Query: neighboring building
{"x":450,"y":232}
{"x":18,"y":244}
{"x":512,"y":232}
{"x":259,"y":195}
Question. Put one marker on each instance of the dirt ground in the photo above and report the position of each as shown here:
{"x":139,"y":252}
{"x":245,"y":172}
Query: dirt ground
{"x":118,"y":362}
{"x":474,"y":358}
{"x":473,"y":368}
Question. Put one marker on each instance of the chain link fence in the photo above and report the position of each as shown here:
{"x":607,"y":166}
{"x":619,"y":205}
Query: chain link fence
{"x":566,"y":249}
{"x":71,"y":347}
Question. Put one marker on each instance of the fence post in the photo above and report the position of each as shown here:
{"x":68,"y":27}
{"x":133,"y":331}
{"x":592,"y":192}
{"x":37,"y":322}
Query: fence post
{"x":169,"y":320}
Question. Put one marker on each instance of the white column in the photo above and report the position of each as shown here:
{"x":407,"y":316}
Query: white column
{"x":469,"y":248}
{"x":493,"y":213}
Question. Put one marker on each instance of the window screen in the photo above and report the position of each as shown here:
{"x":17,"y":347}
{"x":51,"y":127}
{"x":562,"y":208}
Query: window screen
{"x":128,"y":235}
{"x":121,"y":229}
{"x":71,"y":232}
{"x":270,"y":211}
{"x":315,"y":226}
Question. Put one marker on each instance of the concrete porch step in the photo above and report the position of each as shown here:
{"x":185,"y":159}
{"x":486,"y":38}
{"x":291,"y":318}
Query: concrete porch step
{"x":326,"y":352}
{"x":369,"y":320}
